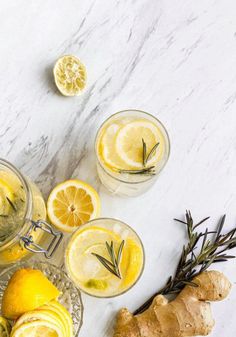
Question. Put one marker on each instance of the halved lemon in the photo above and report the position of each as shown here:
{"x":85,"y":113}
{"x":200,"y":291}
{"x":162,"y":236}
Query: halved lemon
{"x":38,"y":328}
{"x":5,"y":327}
{"x":129,"y":145}
{"x":27,"y":290}
{"x":70,"y":75}
{"x":71,"y":204}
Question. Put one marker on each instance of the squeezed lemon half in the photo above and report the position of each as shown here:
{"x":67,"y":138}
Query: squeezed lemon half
{"x":71,"y":204}
{"x":70,"y":75}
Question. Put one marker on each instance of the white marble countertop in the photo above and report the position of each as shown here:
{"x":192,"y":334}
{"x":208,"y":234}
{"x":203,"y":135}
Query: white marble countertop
{"x":174,"y":59}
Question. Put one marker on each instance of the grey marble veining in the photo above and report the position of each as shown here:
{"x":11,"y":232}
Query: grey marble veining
{"x":174,"y":59}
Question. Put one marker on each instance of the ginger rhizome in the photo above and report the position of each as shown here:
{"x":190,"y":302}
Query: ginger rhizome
{"x":189,"y":314}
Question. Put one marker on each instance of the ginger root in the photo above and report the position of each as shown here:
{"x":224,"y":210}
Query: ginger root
{"x":189,"y":314}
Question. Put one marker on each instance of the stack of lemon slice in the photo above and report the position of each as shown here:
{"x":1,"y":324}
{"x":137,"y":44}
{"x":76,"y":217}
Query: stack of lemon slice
{"x":50,"y":320}
{"x":31,"y":299}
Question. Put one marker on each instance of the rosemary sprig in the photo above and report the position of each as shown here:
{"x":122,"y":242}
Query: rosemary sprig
{"x":144,"y":152}
{"x":113,"y":265}
{"x":11,"y":204}
{"x":213,"y":248}
{"x":151,"y":153}
{"x":145,"y":158}
{"x":147,"y":170}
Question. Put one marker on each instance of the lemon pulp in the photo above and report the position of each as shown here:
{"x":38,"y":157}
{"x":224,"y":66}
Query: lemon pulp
{"x":70,"y":75}
{"x":71,"y":204}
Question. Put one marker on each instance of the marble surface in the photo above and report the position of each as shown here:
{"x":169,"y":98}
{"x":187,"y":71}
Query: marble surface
{"x":172,"y":58}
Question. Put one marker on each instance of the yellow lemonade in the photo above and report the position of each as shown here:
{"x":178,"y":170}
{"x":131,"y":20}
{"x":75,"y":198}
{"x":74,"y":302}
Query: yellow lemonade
{"x":13,"y":209}
{"x":132,"y":147}
{"x":106,"y":240}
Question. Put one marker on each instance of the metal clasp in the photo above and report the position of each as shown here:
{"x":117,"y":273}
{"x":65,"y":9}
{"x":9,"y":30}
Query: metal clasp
{"x":34,"y":247}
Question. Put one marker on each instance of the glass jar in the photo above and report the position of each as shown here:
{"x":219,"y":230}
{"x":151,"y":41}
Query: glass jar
{"x":126,"y":182}
{"x":23,"y":228}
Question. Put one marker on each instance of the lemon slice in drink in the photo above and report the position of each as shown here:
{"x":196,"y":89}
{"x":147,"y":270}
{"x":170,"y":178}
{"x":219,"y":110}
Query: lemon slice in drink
{"x":4,"y":327}
{"x":70,"y":75}
{"x":131,"y":262}
{"x":129,"y":145}
{"x":71,"y":204}
{"x":83,"y":267}
{"x":107,"y":147}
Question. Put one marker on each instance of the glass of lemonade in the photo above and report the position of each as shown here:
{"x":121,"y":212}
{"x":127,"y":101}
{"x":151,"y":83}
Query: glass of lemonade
{"x":132,"y":147}
{"x":108,"y":240}
{"x":22,"y":218}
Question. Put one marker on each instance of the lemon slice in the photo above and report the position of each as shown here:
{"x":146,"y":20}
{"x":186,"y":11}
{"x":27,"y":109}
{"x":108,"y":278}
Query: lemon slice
{"x":107,"y":147}
{"x":70,"y":75}
{"x":65,"y":316}
{"x":71,"y":204}
{"x":4,"y":327}
{"x":81,"y":264}
{"x":38,"y":328}
{"x":6,"y":197}
{"x":129,"y":144}
{"x":131,"y":262}
{"x":41,"y":315}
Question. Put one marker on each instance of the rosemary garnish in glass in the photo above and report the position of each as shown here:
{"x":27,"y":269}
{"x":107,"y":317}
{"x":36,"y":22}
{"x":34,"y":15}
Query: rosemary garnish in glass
{"x":113,"y":265}
{"x":145,"y":159}
{"x":193,"y":261}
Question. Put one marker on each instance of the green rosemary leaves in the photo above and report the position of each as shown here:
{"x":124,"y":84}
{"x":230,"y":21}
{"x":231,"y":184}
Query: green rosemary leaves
{"x":213,"y":247}
{"x":145,"y":159}
{"x":114,"y":263}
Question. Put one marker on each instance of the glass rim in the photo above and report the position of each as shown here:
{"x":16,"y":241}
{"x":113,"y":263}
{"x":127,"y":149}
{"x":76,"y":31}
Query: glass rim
{"x":29,"y":202}
{"x":139,"y":240}
{"x":103,"y":166}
